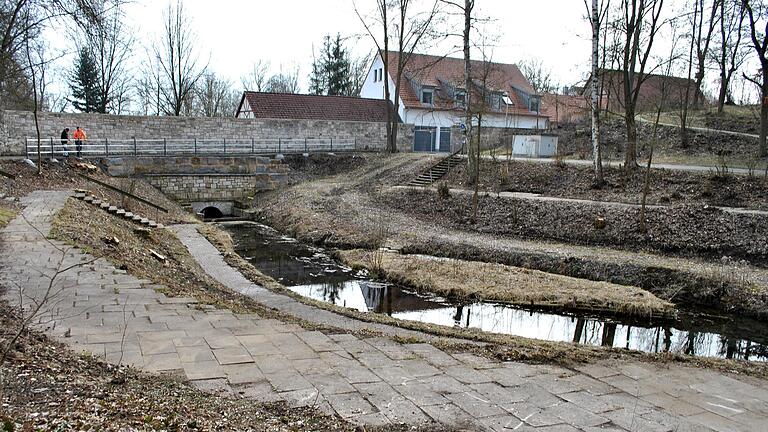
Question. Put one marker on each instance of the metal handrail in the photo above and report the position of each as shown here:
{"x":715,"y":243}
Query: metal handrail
{"x":51,"y":146}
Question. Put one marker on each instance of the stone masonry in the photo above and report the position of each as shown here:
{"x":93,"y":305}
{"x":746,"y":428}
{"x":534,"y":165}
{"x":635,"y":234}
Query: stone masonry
{"x":15,"y":126}
{"x":101,"y":310}
{"x":213,"y":187}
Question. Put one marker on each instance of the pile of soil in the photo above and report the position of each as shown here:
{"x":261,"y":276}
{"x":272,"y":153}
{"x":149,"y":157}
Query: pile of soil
{"x":571,"y":181}
{"x":685,"y":230}
{"x":575,"y":140}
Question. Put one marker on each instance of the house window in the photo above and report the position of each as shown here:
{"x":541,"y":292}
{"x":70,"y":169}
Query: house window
{"x":375,"y":75}
{"x":461,"y":98}
{"x":426,"y":96}
{"x":496,"y":101}
{"x":381,"y":74}
{"x":534,"y":104}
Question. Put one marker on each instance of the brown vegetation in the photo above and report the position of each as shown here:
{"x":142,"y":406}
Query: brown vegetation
{"x":472,"y":279}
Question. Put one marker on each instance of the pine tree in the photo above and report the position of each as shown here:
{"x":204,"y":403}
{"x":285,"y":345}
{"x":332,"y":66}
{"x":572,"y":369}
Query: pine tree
{"x":332,"y":71}
{"x":84,"y":83}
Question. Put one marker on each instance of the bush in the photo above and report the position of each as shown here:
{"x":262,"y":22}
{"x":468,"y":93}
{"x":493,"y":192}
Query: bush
{"x":443,"y":191}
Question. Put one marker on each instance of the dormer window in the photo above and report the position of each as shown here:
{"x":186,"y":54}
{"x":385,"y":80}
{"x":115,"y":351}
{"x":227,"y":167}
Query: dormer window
{"x":496,"y":101}
{"x":534,"y":103}
{"x":461,"y":98}
{"x":427,"y":96}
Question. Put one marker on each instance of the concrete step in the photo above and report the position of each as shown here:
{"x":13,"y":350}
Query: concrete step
{"x":112,"y":209}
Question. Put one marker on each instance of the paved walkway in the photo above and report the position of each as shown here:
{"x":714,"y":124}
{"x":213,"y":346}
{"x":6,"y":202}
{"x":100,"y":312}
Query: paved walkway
{"x":104,"y":311}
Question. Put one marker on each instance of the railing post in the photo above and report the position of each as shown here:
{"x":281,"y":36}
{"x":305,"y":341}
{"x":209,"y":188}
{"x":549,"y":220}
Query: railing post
{"x":253,"y":148}
{"x":165,"y":147}
{"x":355,"y":143}
{"x":26,"y":147}
{"x":279,"y":145}
{"x":135,"y":149}
{"x":331,"y":143}
{"x":195,"y":146}
{"x":106,"y":146}
{"x":51,"y":147}
{"x":306,"y":149}
{"x":225,"y":146}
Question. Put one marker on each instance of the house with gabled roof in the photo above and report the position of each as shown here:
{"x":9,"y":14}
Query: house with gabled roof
{"x":433,"y":97}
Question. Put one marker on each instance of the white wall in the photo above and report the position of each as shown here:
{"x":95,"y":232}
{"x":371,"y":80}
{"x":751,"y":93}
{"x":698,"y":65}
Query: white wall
{"x":375,"y":90}
{"x":535,"y":145}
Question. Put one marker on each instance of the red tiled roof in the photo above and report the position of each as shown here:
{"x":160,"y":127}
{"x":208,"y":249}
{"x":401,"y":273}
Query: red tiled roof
{"x":314,"y":107}
{"x":434,"y":71}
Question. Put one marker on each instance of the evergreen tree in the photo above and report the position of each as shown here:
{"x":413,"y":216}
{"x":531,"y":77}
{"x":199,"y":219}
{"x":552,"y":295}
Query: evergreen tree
{"x":84,"y":83}
{"x":332,"y":71}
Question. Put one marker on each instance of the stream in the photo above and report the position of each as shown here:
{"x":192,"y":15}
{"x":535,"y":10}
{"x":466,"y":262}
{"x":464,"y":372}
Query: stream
{"x":311,"y":272}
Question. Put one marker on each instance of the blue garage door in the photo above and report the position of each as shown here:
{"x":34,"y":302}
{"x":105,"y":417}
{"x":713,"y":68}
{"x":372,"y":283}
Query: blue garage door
{"x":424,"y":138}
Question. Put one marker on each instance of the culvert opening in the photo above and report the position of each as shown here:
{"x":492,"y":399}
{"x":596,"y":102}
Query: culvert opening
{"x":212,"y":213}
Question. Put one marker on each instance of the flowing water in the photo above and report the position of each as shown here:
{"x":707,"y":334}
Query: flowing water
{"x":311,"y":272}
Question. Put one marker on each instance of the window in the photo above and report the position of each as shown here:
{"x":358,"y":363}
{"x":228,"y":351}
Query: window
{"x":495,"y":101}
{"x":461,"y":98}
{"x":426,"y":96}
{"x":381,"y":74}
{"x":534,"y":104}
{"x":375,"y":75}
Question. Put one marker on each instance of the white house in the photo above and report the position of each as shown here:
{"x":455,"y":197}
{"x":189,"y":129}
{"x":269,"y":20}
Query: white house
{"x":433,"y":94}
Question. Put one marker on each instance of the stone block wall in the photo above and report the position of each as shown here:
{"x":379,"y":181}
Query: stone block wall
{"x":213,"y":187}
{"x":128,"y":166}
{"x":16,"y":126}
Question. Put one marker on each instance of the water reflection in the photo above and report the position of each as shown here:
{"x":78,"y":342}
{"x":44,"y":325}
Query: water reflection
{"x":311,"y":272}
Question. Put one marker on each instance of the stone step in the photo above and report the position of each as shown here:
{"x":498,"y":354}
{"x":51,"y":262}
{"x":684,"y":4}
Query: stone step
{"x":89,"y":199}
{"x":105,"y":205}
{"x":80,"y":195}
{"x":96,"y":202}
{"x":112,"y":209}
{"x":128,"y":215}
{"x":152,"y":224}
{"x":120,"y":212}
{"x":144,"y":221}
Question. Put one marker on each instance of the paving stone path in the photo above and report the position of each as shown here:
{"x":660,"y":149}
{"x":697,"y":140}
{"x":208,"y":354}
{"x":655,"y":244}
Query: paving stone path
{"x":104,"y":311}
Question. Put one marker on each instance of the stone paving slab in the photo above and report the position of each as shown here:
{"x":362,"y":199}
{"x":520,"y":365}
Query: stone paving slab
{"x":106,"y":312}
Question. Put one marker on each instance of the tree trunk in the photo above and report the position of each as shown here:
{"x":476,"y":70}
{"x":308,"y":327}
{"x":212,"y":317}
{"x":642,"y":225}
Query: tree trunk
{"x":471,"y":160}
{"x":630,"y":156}
{"x":722,"y":94}
{"x":763,"y":150}
{"x":596,"y":152}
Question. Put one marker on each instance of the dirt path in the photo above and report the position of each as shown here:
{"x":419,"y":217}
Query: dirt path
{"x":539,"y":197}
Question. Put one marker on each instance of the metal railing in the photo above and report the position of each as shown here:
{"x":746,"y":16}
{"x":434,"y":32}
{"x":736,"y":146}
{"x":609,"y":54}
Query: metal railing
{"x":189,"y":146}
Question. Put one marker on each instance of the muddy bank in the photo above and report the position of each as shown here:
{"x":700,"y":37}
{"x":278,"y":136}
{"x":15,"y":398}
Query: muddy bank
{"x":667,"y":187}
{"x":684,"y":230}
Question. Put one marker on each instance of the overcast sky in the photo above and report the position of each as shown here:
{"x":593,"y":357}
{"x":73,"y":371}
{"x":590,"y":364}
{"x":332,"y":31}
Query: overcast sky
{"x":236,"y":33}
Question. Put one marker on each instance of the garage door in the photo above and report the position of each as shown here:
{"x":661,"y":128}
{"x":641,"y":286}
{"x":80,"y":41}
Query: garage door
{"x":424,"y":138}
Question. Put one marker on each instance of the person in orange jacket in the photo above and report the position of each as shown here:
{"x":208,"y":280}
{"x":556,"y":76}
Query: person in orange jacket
{"x":79,"y":137}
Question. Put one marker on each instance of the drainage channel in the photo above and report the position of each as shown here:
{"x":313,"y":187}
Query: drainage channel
{"x":311,"y":272}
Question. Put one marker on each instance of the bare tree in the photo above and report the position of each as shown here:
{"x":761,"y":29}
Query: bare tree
{"x":179,"y":62}
{"x":702,"y":38}
{"x":148,"y":88}
{"x":595,"y":21}
{"x":685,"y":105}
{"x":758,"y":33}
{"x":409,"y":27}
{"x":214,"y":97}
{"x":26,"y":19}
{"x":360,"y":72}
{"x":730,"y":53}
{"x":256,"y":78}
{"x":639,"y":24}
{"x":284,"y":82}
{"x":538,"y":75}
{"x":110,"y":44}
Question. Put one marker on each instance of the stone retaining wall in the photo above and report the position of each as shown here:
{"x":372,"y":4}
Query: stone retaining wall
{"x":16,"y":126}
{"x":128,"y":166}
{"x":213,"y":187}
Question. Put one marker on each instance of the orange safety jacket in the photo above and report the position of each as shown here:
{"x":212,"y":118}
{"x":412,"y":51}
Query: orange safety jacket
{"x":79,"y":135}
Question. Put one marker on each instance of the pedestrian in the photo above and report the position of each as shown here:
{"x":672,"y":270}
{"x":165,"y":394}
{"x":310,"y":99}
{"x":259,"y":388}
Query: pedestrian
{"x":79,"y":137}
{"x":65,"y":142}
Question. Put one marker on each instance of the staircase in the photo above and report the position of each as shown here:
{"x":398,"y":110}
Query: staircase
{"x":437,"y":171}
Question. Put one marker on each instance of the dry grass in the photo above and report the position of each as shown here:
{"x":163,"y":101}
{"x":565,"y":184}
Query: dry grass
{"x":6,"y":215}
{"x":472,"y":279}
